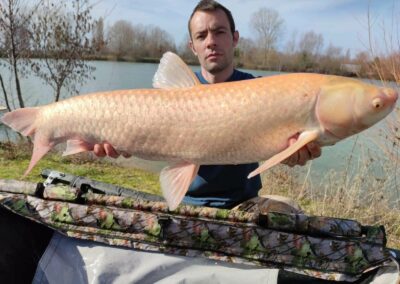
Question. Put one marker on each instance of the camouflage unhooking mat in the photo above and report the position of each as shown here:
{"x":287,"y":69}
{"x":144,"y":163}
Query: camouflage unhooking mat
{"x":322,"y":247}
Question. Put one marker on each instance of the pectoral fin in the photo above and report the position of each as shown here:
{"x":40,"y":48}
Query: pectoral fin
{"x":304,"y":138}
{"x":175,"y":181}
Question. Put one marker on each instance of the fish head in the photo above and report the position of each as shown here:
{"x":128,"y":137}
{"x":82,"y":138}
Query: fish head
{"x":347,"y":106}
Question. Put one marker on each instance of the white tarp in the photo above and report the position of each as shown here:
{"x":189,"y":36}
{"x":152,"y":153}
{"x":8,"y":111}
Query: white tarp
{"x":68,"y":260}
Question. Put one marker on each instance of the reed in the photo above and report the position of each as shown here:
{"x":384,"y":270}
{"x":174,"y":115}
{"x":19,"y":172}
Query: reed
{"x":366,"y":189}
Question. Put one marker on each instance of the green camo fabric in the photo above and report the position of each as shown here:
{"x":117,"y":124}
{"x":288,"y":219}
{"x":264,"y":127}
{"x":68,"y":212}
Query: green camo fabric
{"x":329,"y":245}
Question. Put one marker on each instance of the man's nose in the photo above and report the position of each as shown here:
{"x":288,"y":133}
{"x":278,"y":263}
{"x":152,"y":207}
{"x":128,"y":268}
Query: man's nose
{"x":211,"y":40}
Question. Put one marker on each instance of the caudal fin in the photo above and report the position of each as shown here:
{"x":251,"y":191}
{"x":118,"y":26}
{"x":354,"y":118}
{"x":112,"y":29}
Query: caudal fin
{"x":23,"y":120}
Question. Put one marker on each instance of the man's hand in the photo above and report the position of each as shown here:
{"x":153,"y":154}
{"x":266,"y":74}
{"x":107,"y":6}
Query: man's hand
{"x":106,"y":149}
{"x":310,"y":151}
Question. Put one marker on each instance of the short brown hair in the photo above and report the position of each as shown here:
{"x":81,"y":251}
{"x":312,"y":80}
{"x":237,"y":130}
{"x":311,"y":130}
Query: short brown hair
{"x":211,"y":5}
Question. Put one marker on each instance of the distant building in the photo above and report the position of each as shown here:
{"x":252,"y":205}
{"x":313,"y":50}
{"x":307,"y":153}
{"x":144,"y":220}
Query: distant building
{"x":350,"y":68}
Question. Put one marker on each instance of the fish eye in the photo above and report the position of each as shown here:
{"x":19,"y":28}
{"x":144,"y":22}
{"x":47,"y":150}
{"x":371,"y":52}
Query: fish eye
{"x":377,"y":103}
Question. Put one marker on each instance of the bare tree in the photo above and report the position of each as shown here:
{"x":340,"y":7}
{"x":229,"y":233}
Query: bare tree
{"x":5,"y":94}
{"x":120,"y":38}
{"x":332,"y":59}
{"x":61,"y":33}
{"x":311,"y":43}
{"x":159,"y":41}
{"x":184,"y":50}
{"x":14,"y":28}
{"x":291,"y":45}
{"x":309,"y":47}
{"x":268,"y":25}
{"x":139,"y":42}
{"x":290,"y":54}
{"x":245,"y":51}
{"x":334,"y":51}
{"x":362,"y":59}
{"x":98,"y":40}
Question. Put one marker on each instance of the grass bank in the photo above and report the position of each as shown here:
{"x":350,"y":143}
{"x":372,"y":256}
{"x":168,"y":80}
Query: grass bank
{"x":14,"y":160}
{"x":368,"y":206}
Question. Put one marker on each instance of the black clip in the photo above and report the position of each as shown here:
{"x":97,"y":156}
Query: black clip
{"x":164,"y":222}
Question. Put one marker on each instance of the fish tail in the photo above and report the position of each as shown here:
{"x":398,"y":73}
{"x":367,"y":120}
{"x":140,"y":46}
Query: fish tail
{"x":24,"y":121}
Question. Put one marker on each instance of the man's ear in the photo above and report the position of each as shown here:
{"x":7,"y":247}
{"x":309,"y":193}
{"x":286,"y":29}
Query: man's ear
{"x":235,"y":38}
{"x":191,"y":46}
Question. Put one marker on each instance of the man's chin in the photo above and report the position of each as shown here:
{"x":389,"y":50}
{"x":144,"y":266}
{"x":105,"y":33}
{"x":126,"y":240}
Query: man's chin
{"x":214,"y":67}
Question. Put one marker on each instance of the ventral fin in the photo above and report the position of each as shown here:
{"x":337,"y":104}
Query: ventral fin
{"x":304,"y":138}
{"x":77,"y":146}
{"x":175,"y":181}
{"x":173,"y":73}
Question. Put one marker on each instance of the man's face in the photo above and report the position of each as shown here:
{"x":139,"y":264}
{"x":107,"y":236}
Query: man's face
{"x":212,"y":41}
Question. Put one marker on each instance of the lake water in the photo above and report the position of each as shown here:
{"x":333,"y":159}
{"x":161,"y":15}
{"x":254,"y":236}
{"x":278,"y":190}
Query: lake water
{"x":122,"y":75}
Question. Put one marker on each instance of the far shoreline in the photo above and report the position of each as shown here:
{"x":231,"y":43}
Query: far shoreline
{"x":155,"y":60}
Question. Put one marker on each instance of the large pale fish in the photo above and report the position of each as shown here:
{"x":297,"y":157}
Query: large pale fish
{"x":188,"y":124}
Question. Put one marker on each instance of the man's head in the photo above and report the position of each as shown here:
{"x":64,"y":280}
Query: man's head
{"x":213,"y":36}
{"x":210,"y":6}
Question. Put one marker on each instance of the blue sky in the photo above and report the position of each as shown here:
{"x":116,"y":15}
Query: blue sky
{"x":341,"y":22}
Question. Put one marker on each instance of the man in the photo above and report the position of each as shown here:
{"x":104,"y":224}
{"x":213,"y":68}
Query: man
{"x":213,"y":38}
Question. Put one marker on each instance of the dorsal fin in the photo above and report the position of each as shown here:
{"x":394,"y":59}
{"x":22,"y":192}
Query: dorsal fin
{"x":174,"y":73}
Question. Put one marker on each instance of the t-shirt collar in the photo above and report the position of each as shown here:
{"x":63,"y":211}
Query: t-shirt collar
{"x":204,"y":81}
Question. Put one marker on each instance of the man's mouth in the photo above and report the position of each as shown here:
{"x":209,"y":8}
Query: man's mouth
{"x":213,"y":56}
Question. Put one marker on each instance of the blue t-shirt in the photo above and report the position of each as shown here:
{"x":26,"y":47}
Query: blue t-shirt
{"x":224,"y":186}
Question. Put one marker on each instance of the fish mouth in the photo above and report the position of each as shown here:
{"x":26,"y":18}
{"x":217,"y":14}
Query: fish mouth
{"x":391,"y":95}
